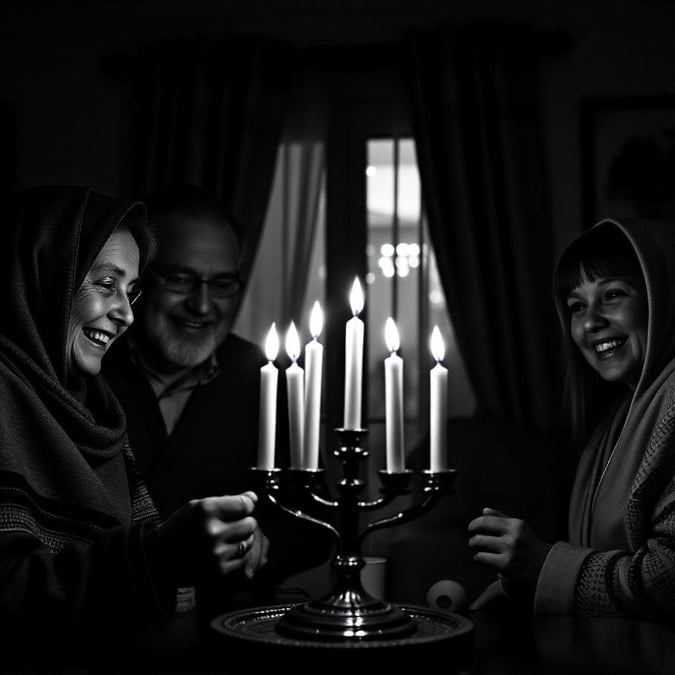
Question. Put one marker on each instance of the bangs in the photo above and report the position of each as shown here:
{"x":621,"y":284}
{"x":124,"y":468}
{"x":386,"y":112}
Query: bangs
{"x":603,"y":252}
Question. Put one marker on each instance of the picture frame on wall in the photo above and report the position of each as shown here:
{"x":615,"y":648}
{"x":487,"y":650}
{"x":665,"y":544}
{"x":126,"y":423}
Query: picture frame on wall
{"x":628,"y":157}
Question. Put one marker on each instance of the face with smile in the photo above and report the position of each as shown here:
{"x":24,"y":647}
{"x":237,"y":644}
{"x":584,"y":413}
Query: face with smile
{"x":101,"y":310}
{"x":180,"y":329}
{"x":608,"y":323}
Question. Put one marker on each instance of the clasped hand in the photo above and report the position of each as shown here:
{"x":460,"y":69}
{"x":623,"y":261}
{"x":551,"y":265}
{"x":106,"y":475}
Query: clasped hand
{"x":509,"y":546}
{"x":214,"y":536}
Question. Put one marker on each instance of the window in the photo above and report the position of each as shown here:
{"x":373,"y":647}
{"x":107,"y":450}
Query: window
{"x":403,"y":282}
{"x":367,"y":220}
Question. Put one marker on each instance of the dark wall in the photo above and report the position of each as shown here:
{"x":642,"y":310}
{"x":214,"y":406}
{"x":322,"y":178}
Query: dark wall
{"x":68,"y":120}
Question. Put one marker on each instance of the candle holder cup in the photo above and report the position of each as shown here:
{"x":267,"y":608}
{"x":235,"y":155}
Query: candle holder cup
{"x":348,"y":612}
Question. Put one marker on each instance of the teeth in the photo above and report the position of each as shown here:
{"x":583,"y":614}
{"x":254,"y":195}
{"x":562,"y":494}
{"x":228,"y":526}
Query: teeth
{"x":606,"y":346}
{"x":98,"y":336}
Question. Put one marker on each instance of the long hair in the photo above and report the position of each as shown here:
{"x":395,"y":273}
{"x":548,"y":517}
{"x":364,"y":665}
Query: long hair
{"x":603,"y":251}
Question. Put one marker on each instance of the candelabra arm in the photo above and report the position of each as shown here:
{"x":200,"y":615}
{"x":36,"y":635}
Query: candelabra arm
{"x":376,"y":503}
{"x":437,"y":484}
{"x":401,"y":516}
{"x":324,"y":502}
{"x":298,"y":513}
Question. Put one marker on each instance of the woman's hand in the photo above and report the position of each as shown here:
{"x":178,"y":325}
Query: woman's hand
{"x":509,"y":546}
{"x":257,"y":554}
{"x":213,"y":536}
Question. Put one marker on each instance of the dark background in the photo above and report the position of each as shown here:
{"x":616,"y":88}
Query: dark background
{"x":65,"y":117}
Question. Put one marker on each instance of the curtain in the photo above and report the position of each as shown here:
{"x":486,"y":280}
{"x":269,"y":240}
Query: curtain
{"x":476,"y":115}
{"x":291,"y":247}
{"x":211,"y":114}
{"x":304,"y":165}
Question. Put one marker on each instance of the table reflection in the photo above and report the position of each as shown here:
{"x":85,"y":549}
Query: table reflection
{"x":551,"y":645}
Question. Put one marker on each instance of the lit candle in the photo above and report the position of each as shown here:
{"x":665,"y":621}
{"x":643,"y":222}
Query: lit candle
{"x":267,"y":423}
{"x":393,"y":384}
{"x":296,"y":402}
{"x":354,"y":360}
{"x":313,"y":373}
{"x":438,"y":405}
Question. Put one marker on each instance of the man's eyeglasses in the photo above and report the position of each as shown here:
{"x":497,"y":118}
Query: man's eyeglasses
{"x":224,"y":285}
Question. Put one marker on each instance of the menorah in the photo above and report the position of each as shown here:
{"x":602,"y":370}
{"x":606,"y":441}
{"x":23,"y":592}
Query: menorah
{"x":348,"y":612}
{"x":348,"y":615}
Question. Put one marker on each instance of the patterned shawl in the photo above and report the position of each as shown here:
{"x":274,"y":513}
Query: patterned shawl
{"x":64,"y":471}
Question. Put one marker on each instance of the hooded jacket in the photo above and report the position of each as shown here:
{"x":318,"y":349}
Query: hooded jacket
{"x":620,"y":558}
{"x":77,"y":528}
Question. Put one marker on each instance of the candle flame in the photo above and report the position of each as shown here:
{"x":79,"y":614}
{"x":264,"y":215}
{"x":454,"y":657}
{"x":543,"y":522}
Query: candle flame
{"x":316,"y":320}
{"x":391,"y":335}
{"x":272,"y":343}
{"x":292,"y":342}
{"x":436,"y":343}
{"x":356,"y":297}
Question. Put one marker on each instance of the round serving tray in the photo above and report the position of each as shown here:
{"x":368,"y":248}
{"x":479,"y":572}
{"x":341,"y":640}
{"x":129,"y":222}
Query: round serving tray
{"x":450,"y":634}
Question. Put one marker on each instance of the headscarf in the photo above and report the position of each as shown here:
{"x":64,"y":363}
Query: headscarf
{"x":56,"y":447}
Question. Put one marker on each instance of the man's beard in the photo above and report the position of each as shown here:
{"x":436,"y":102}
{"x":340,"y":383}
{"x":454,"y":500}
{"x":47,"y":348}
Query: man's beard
{"x":180,"y":350}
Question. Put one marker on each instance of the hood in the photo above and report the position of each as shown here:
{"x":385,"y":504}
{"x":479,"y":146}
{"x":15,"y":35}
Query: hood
{"x":654,"y":244}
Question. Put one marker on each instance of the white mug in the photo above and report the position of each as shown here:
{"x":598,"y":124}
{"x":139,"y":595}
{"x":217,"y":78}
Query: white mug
{"x":374,"y":576}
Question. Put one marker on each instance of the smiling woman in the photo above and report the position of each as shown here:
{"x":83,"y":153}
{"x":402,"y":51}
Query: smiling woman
{"x":84,"y":557}
{"x":101,"y":307}
{"x":607,"y":305}
{"x":614,"y":289}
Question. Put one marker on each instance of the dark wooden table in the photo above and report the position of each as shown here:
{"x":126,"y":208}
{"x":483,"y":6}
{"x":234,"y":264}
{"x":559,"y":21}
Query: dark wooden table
{"x":569,"y":646}
{"x":497,"y":644}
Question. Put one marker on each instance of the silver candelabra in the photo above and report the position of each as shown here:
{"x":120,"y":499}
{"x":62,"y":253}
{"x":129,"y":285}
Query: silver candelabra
{"x":348,"y":612}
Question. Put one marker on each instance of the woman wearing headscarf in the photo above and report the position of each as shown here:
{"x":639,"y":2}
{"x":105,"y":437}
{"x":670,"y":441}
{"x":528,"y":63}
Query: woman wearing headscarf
{"x":82,"y":551}
{"x":614,"y":289}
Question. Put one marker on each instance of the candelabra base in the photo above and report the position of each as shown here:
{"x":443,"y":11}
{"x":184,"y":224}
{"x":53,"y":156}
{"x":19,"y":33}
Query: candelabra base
{"x":345,"y":617}
{"x":435,"y":633}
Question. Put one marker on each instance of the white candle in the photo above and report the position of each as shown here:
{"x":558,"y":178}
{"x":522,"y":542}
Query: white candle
{"x":267,"y":422}
{"x":296,"y":398}
{"x":438,"y":405}
{"x":393,"y":384}
{"x":313,"y":375}
{"x":354,"y":360}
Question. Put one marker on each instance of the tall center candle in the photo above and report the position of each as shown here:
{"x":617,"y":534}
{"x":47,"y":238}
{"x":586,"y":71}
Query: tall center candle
{"x":296,"y":399}
{"x":267,"y":421}
{"x":354,"y":360}
{"x":313,"y":377}
{"x":438,"y":405}
{"x":393,"y":385}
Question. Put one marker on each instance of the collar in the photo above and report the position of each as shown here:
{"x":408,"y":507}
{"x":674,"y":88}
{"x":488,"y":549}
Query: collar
{"x":190,"y":379}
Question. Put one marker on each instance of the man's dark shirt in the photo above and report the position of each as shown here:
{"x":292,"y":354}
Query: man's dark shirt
{"x":212,"y":448}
